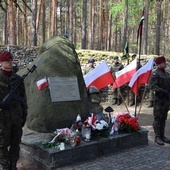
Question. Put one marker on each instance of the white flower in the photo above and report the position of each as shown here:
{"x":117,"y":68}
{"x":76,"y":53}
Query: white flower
{"x":99,"y":125}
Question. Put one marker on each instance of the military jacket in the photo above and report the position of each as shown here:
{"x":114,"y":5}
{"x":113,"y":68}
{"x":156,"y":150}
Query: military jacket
{"x":6,"y":83}
{"x":87,"y":69}
{"x":116,"y":67}
{"x":160,"y":81}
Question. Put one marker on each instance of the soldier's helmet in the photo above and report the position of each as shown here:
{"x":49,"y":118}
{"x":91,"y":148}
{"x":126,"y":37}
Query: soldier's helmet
{"x":91,"y":61}
{"x":116,"y":58}
{"x":134,"y":56}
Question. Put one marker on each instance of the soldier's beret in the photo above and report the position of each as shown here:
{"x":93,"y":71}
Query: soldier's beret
{"x":5,"y":56}
{"x":160,"y":60}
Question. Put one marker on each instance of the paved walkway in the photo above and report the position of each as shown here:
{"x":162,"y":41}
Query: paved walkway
{"x":151,"y":157}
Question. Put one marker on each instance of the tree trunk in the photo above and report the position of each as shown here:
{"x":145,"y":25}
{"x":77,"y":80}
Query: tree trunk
{"x":4,"y":37}
{"x":34,"y":16}
{"x":158,"y":26}
{"x":145,"y":40}
{"x":71,"y":21}
{"x":43,"y":21}
{"x":100,"y":39}
{"x":90,"y":25}
{"x":12,"y":23}
{"x":124,"y":39}
{"x":109,"y":33}
{"x":84,"y":18}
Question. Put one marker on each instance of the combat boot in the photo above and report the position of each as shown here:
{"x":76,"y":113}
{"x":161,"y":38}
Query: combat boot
{"x":158,"y":140}
{"x":119,"y":102}
{"x":166,"y":140}
{"x":13,"y":166}
{"x":150,"y":104}
{"x":132,"y":103}
{"x":114,"y":101}
{"x":6,"y":168}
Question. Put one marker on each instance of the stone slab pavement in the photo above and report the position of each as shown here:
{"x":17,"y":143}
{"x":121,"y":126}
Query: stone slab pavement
{"x":150,"y":157}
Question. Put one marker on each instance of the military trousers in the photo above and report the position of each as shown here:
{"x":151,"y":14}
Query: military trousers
{"x":160,"y":112}
{"x":10,"y":137}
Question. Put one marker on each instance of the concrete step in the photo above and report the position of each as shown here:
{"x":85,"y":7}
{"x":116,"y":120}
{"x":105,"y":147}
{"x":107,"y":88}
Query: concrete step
{"x":33,"y":150}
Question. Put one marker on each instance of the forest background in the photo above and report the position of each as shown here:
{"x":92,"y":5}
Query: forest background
{"x":105,"y":25}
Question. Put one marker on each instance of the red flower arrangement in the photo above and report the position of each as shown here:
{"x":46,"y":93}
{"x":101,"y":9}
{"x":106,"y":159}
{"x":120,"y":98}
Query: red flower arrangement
{"x":127,"y":123}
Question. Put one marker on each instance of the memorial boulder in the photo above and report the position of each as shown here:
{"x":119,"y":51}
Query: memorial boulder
{"x":57,"y":105}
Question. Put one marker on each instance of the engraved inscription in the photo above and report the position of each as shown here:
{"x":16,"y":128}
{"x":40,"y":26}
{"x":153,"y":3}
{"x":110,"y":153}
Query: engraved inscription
{"x":64,"y":89}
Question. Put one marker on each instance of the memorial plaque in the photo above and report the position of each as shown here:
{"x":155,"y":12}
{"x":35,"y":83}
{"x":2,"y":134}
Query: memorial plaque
{"x":64,"y":89}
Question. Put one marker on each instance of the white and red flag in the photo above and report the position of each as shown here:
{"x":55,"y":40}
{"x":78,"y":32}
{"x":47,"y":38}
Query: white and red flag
{"x":41,"y":84}
{"x":141,"y":76}
{"x":100,"y":77}
{"x":125,"y":75}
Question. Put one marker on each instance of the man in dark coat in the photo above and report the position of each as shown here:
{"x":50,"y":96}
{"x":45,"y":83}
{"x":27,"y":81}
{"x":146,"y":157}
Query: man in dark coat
{"x":12,"y":114}
{"x":160,"y":84}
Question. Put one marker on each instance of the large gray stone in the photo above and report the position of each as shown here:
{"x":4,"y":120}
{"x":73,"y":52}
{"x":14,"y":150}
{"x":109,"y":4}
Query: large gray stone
{"x":58,"y":58}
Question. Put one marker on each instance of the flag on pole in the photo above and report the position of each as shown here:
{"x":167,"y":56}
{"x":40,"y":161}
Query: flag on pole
{"x":141,"y":76}
{"x":99,"y":77}
{"x":41,"y":84}
{"x":139,"y":33}
{"x":125,"y":75}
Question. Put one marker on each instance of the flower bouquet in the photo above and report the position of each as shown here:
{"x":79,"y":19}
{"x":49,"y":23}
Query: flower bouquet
{"x":127,"y":123}
{"x":98,"y":127}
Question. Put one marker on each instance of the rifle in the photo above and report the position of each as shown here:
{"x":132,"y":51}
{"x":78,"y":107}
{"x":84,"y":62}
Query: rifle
{"x":11,"y":93}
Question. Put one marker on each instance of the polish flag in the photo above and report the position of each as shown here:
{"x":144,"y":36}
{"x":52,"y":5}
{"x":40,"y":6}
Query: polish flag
{"x":141,"y":76}
{"x":41,"y":84}
{"x":100,"y":77}
{"x":124,"y":76}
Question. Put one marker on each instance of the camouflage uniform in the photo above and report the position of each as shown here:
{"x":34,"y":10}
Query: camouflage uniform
{"x":160,"y":84}
{"x":88,"y":68}
{"x":12,"y":118}
{"x":116,"y":92}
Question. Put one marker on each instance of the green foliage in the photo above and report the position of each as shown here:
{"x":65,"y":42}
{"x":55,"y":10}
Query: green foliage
{"x":134,"y":12}
{"x":51,"y":145}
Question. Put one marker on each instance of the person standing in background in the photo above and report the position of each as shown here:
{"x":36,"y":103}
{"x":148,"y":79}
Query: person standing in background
{"x":91,"y":63}
{"x":117,"y":66}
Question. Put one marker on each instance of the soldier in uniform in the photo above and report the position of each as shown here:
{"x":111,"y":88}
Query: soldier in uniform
{"x":160,"y":84}
{"x":90,"y":66}
{"x":12,"y":114}
{"x":117,"y":66}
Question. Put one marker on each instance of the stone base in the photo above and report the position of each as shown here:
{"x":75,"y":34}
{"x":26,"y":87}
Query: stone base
{"x":50,"y":159}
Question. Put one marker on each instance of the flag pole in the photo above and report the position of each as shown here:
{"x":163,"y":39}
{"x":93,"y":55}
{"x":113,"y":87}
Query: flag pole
{"x":142,"y":101}
{"x":135,"y":105}
{"x":139,"y":42}
{"x":122,"y":98}
{"x":126,"y":56}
